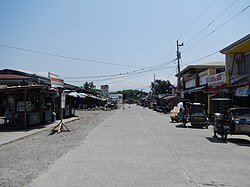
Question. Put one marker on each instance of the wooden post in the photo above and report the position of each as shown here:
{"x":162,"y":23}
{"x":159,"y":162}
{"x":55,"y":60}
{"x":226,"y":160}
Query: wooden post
{"x":61,"y":124}
{"x":25,"y":109}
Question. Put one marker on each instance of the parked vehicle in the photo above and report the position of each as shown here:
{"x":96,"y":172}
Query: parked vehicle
{"x":174,"y":114}
{"x":238,"y":122}
{"x":198,"y":116}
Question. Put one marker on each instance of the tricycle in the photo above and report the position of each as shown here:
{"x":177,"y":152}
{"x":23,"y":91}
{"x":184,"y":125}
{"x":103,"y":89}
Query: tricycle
{"x":236,"y":123}
{"x":198,"y":116}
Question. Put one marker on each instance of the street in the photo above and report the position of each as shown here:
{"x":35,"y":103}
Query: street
{"x":140,"y":147}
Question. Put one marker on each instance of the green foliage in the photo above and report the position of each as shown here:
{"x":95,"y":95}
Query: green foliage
{"x":161,"y":87}
{"x":89,"y":86}
{"x":130,"y":95}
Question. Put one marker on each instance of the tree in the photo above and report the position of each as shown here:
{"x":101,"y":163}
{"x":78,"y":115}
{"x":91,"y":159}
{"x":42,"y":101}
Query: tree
{"x":89,"y":86}
{"x":161,"y":87}
{"x":129,"y":95}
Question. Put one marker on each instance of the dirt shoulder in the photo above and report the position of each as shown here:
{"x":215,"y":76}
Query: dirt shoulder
{"x":24,"y":159}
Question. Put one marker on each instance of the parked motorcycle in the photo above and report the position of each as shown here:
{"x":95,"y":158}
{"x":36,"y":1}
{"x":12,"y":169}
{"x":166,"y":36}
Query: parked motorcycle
{"x":238,"y":122}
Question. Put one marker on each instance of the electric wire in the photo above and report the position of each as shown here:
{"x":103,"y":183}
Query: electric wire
{"x":208,"y":25}
{"x":201,"y":58}
{"x":197,"y":19}
{"x":67,"y":57}
{"x":129,"y":75}
{"x":230,"y":19}
{"x":121,"y":74}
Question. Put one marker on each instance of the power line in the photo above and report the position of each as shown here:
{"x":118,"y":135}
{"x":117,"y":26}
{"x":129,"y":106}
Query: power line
{"x":196,"y":19}
{"x":150,"y":70}
{"x":66,"y":57}
{"x":128,"y":75}
{"x":121,"y":74}
{"x":218,"y":28}
{"x":217,"y":17}
{"x":211,"y":54}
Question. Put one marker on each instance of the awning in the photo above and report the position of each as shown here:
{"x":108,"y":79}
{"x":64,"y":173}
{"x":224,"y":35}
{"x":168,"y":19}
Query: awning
{"x":73,"y":94}
{"x":198,"y":89}
{"x":242,"y":91}
{"x":82,"y":95}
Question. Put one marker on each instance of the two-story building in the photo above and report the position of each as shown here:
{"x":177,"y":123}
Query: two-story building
{"x":237,"y":57}
{"x":195,"y":78}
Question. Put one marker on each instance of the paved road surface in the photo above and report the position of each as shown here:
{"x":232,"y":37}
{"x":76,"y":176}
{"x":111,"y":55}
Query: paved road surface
{"x":139,"y":147}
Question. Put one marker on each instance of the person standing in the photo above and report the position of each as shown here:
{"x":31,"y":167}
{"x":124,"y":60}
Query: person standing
{"x":181,"y":110}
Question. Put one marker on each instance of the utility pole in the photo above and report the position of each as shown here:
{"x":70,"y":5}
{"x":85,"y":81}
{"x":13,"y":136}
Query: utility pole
{"x":178,"y":64}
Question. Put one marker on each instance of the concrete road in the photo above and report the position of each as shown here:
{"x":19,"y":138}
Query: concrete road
{"x":139,"y":147}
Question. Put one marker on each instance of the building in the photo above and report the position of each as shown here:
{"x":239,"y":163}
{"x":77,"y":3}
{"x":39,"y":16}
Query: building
{"x":28,"y":99}
{"x":195,"y":78}
{"x":105,"y":91}
{"x":237,"y":56}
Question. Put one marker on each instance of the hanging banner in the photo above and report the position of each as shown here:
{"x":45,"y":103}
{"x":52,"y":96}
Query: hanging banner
{"x":63,"y":97}
{"x":242,"y":91}
{"x":217,"y":79}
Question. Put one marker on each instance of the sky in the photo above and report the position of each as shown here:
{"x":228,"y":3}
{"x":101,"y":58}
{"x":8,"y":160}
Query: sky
{"x":121,"y":43}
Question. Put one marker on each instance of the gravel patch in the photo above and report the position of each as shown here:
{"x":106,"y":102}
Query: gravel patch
{"x":23,"y":160}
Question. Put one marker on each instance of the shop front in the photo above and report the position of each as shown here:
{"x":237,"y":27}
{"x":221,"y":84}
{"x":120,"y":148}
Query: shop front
{"x":26,"y":106}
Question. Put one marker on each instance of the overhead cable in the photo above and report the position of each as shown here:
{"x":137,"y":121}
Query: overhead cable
{"x":196,"y":20}
{"x":211,"y":54}
{"x":67,"y":57}
{"x":208,"y":25}
{"x":152,"y":68}
{"x":218,"y":28}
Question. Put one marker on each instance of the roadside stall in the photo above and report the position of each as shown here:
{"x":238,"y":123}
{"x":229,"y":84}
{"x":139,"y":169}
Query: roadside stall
{"x":26,"y":106}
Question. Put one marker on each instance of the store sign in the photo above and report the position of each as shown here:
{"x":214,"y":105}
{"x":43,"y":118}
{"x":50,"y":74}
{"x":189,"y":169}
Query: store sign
{"x":242,"y":91}
{"x":63,"y":98}
{"x":217,"y":79}
{"x":56,"y":83}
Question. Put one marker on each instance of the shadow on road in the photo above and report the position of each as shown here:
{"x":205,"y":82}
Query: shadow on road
{"x":239,"y":141}
{"x":215,"y":139}
{"x":180,"y":126}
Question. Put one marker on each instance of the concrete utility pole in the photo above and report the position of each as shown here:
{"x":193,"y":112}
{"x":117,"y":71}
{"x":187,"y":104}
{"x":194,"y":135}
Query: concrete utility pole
{"x":178,"y":65}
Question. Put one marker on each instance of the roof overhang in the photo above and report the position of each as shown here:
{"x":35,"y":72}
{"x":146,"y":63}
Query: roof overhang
{"x":240,"y":46}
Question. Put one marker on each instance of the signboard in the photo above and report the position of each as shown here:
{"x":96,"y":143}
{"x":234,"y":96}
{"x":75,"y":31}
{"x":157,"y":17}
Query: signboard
{"x":217,"y":79}
{"x":242,"y":91}
{"x":105,"y":90}
{"x":56,"y":83}
{"x":63,"y":97}
{"x":52,"y":75}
